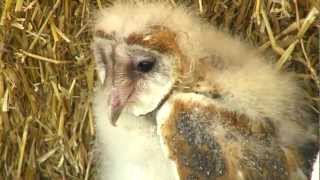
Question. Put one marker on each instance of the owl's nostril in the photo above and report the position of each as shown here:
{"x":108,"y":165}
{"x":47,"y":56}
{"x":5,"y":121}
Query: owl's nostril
{"x":145,"y":65}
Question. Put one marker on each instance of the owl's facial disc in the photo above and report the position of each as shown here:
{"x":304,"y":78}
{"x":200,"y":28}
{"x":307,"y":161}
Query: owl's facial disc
{"x":127,"y":71}
{"x":135,"y":78}
{"x":137,"y":71}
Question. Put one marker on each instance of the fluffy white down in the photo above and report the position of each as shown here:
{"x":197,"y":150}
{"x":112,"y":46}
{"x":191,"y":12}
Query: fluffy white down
{"x":315,"y":170}
{"x":130,"y":151}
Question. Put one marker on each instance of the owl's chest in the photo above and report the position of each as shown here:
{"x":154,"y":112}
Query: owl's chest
{"x":132,"y":151}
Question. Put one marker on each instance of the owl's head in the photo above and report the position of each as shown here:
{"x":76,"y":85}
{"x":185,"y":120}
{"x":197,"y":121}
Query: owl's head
{"x":138,"y":59}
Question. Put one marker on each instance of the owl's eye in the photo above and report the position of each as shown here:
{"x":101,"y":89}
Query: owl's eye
{"x":146,"y":65}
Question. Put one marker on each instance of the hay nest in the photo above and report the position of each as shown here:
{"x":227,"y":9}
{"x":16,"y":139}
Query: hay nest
{"x":47,"y":73}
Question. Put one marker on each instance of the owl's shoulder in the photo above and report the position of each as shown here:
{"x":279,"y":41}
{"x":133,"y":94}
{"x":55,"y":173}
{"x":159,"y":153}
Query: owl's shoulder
{"x":205,"y":140}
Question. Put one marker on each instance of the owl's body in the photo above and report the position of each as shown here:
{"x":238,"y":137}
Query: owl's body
{"x":180,"y":100}
{"x":131,"y":150}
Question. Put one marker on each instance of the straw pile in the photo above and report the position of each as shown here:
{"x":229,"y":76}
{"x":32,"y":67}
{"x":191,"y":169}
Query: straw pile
{"x":47,"y":73}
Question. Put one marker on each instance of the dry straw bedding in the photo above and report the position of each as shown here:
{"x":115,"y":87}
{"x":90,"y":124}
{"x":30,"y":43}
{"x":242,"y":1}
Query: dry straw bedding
{"x":47,"y":73}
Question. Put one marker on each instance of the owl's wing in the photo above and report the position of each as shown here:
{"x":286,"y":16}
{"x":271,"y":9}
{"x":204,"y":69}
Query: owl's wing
{"x":206,"y":141}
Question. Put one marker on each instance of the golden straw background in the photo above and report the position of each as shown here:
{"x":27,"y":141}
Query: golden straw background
{"x":47,"y":73}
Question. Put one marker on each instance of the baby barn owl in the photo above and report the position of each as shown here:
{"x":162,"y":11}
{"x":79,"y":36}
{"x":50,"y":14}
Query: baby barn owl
{"x":180,"y":100}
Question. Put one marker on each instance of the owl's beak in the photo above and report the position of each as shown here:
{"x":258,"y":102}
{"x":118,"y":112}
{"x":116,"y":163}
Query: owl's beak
{"x":115,"y":110}
{"x":119,"y":82}
{"x":118,"y":100}
{"x":114,"y":117}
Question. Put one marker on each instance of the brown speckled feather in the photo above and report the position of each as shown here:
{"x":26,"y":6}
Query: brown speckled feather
{"x":209,"y":142}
